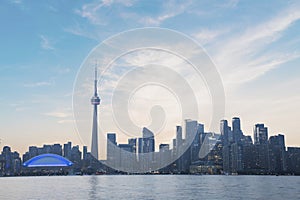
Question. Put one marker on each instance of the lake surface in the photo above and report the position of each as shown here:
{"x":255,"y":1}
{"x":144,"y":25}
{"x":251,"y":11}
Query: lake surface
{"x":150,"y":187}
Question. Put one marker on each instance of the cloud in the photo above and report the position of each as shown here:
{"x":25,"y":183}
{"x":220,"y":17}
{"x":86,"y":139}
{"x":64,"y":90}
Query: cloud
{"x":16,"y":1}
{"x":78,"y":30}
{"x":246,"y":55}
{"x":89,"y":11}
{"x":38,"y":84}
{"x":20,"y":106}
{"x":170,"y":9}
{"x":58,"y":114}
{"x":97,"y":11}
{"x":64,"y":117}
{"x":66,"y":121}
{"x":205,"y":36}
{"x":45,"y":43}
{"x":19,"y":109}
{"x":101,"y":13}
{"x":63,"y":70}
{"x":230,"y":4}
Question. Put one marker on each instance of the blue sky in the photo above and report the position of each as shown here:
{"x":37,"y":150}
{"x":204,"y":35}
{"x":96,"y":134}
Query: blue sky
{"x":254,"y":45}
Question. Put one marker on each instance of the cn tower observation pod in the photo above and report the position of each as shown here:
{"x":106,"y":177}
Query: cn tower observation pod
{"x":48,"y":160}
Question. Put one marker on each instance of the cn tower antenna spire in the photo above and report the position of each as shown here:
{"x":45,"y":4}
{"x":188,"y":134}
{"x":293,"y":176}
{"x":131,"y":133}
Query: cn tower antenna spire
{"x":95,"y":82}
{"x":96,"y":65}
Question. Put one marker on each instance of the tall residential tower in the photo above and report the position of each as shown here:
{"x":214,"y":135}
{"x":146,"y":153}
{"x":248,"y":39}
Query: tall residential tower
{"x":95,"y":101}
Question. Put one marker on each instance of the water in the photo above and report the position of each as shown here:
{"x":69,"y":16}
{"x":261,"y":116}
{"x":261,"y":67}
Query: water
{"x":150,"y":187}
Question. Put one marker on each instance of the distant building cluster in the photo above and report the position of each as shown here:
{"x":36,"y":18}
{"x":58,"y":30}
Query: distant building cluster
{"x":230,"y":152}
{"x":264,"y":155}
{"x":11,"y":163}
{"x":195,"y":152}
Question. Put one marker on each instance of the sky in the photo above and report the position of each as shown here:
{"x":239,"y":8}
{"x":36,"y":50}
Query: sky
{"x":254,"y":45}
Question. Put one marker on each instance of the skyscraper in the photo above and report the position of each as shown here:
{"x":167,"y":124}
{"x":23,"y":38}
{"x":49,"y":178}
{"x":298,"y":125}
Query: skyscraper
{"x":260,"y":134}
{"x":277,"y":153}
{"x":201,"y":133}
{"x":67,"y":150}
{"x":224,"y":131}
{"x":146,"y":149}
{"x":232,"y":145}
{"x":178,"y":137}
{"x":84,"y":156}
{"x":95,"y":101}
{"x":197,"y":141}
{"x":191,"y":127}
{"x":293,"y":160}
{"x":132,"y":141}
{"x":111,"y":147}
{"x":148,"y":142}
{"x":236,"y":129}
{"x":261,"y":148}
{"x":111,"y":137}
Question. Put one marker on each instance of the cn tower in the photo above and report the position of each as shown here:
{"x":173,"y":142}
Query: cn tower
{"x":95,"y":101}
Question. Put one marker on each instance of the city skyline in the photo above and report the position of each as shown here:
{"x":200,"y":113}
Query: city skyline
{"x":178,"y":129}
{"x":230,"y":152}
{"x":256,"y":53}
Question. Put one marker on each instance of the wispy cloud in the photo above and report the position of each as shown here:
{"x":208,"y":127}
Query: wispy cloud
{"x":17,"y":1}
{"x":247,"y":55}
{"x":229,"y":4}
{"x":45,"y":43}
{"x":79,"y":30}
{"x":63,"y":116}
{"x":38,"y":84}
{"x":89,"y":11}
{"x":97,"y":11}
{"x":19,"y":106}
{"x":67,"y":121}
{"x":20,"y":109}
{"x":170,"y":9}
{"x":205,"y":36}
{"x":240,"y":56}
{"x":62,"y":70}
{"x":101,"y":13}
{"x":58,"y":114}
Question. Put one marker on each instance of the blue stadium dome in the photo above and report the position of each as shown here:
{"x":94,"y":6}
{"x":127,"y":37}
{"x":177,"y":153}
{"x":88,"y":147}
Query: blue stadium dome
{"x":48,"y":160}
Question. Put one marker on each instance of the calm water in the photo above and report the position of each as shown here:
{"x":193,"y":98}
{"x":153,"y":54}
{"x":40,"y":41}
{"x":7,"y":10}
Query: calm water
{"x":150,"y":187}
